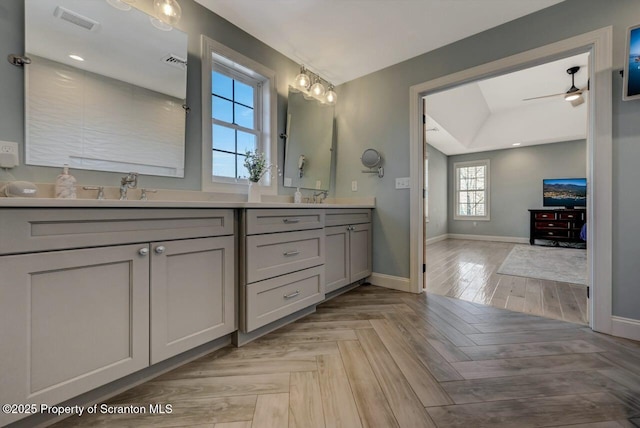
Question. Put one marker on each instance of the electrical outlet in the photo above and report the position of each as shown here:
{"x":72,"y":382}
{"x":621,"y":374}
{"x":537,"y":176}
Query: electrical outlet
{"x":403,"y":183}
{"x":8,"y":154}
{"x":354,"y":186}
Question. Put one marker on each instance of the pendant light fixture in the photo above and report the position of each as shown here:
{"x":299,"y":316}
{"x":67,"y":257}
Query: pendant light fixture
{"x":168,"y":11}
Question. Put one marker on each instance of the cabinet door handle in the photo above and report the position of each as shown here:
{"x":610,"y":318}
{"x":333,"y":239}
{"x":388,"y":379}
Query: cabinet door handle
{"x":291,"y":220}
{"x":550,"y":224}
{"x":144,"y":251}
{"x":160,"y":249}
{"x":291,"y":253}
{"x":292,"y":295}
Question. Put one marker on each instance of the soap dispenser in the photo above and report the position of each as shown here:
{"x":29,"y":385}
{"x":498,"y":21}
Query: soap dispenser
{"x":297,"y":197}
{"x":66,"y":184}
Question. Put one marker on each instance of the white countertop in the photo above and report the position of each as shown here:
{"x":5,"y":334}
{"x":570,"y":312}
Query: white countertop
{"x":171,"y":198}
{"x":111,"y":203}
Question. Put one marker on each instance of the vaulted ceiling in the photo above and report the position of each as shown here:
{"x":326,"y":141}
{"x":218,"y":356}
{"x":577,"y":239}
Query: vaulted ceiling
{"x":493,"y":114}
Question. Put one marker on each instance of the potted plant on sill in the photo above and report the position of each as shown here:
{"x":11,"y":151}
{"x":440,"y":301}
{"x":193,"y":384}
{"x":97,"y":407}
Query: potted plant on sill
{"x":257,"y":166}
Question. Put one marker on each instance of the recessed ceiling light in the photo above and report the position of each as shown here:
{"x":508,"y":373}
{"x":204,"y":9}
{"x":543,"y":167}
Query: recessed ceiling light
{"x":76,"y":57}
{"x":516,"y":144}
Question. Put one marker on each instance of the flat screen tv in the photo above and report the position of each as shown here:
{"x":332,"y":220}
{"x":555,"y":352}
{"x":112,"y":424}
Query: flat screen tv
{"x":564,"y":192}
{"x":631,"y":74}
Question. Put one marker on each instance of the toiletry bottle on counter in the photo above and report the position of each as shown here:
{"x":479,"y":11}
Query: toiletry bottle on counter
{"x":297,"y":197}
{"x":66,"y":185}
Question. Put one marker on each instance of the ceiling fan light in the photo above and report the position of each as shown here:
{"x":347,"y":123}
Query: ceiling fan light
{"x":572,"y":96}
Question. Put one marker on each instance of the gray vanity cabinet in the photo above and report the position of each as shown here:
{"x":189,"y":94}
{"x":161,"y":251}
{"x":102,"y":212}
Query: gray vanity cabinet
{"x":89,"y":296}
{"x":282,"y":259}
{"x":348,"y":247}
{"x":71,"y":321}
{"x":192,"y":294}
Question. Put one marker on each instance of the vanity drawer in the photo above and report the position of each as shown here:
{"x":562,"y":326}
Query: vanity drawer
{"x":29,"y":229}
{"x":272,"y":299}
{"x":281,"y":253}
{"x":285,"y":220}
{"x":347,"y":216}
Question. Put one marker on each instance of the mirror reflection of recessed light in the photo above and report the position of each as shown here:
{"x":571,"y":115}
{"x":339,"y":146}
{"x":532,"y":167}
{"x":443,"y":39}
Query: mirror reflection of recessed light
{"x":76,"y":57}
{"x":160,"y":25}
{"x":516,"y":144}
{"x":119,"y":4}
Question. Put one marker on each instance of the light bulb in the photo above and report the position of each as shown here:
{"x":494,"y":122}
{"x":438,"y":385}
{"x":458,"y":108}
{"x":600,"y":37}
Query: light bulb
{"x":168,"y":11}
{"x":317,"y":89}
{"x":331,"y":96}
{"x":571,"y":97}
{"x":302,"y":80}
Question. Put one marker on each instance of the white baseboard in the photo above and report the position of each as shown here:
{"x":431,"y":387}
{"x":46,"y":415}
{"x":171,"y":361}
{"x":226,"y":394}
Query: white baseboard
{"x":513,"y":239}
{"x":390,"y":281}
{"x":625,"y":327}
{"x":436,"y":239}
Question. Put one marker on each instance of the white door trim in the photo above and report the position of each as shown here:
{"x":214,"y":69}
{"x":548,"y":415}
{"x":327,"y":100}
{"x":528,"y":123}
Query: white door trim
{"x":599,"y":157}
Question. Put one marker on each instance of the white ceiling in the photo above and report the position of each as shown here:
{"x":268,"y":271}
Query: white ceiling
{"x":345,"y":39}
{"x":491,"y":114}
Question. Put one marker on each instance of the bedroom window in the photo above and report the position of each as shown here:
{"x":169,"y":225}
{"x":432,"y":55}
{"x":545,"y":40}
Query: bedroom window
{"x":472,"y":190}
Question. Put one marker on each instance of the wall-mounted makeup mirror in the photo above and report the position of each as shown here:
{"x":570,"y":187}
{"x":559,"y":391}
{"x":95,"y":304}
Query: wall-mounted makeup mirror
{"x":309,"y":138}
{"x":371,"y":158}
{"x":105,"y":88}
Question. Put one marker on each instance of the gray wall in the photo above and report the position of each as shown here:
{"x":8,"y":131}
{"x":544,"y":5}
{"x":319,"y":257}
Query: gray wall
{"x":516,"y":184}
{"x":374,"y":111}
{"x":438,"y":206}
{"x":196,"y":20}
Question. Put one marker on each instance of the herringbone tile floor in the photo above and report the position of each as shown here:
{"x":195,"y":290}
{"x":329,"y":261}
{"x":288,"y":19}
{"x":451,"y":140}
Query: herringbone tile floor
{"x":381,"y":358}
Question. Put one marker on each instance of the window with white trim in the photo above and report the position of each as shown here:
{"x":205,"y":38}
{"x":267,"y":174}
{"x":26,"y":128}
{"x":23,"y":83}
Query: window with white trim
{"x":472,"y":190}
{"x":238,"y":114}
{"x":236,"y":121}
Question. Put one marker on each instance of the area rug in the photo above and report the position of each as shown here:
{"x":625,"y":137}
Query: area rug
{"x":555,"y":264}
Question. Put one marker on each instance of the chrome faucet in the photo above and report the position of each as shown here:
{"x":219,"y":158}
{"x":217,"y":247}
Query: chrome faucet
{"x":130,"y":181}
{"x":320,"y":196}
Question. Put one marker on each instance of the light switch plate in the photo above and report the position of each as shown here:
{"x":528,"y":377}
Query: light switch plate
{"x":354,"y":186}
{"x":8,"y":154}
{"x":403,"y":182}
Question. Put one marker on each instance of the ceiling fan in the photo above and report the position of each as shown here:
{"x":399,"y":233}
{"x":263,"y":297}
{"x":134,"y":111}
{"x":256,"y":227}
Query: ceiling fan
{"x":573,"y":95}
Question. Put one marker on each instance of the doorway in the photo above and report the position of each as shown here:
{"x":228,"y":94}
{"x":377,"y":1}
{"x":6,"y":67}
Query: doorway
{"x":599,"y":165}
{"x":494,"y":143}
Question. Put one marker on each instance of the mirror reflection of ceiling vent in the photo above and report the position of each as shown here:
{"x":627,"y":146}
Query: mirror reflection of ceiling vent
{"x":75,"y":18}
{"x":176,"y":61}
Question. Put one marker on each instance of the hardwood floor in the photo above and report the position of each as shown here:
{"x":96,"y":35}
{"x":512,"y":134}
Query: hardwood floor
{"x":382,"y":358}
{"x":466,"y":270}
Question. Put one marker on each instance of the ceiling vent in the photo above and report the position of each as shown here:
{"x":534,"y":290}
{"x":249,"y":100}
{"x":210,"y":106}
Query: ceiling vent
{"x":75,"y":18}
{"x":175,"y":61}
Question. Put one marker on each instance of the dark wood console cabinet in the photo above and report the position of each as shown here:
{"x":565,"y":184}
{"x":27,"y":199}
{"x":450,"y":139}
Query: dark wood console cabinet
{"x":556,"y":225}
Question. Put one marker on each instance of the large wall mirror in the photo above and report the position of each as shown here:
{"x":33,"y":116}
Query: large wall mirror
{"x":309,"y":143}
{"x":105,"y":88}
